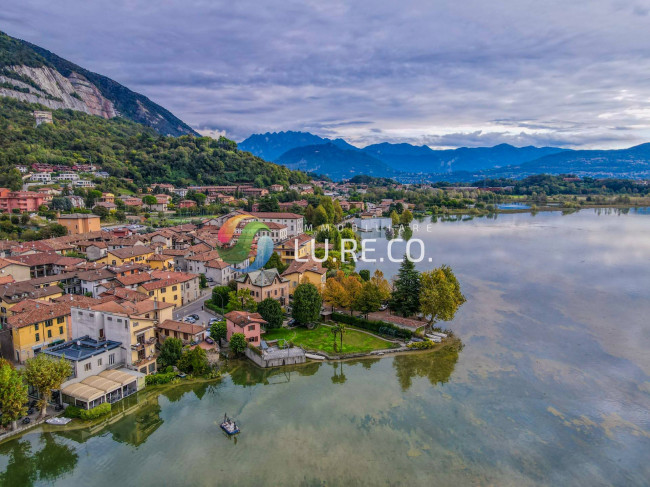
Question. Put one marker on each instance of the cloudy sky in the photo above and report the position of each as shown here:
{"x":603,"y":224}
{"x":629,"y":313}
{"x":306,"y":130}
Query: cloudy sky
{"x":443,"y":73}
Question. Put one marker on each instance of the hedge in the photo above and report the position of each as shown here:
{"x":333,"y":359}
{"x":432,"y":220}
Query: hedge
{"x":380,"y":327}
{"x":214,"y":307}
{"x":423,"y":345}
{"x":157,"y":379}
{"x":96,"y":412}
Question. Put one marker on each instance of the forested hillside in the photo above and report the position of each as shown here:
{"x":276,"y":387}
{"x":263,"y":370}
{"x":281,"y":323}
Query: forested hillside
{"x":126,"y":149}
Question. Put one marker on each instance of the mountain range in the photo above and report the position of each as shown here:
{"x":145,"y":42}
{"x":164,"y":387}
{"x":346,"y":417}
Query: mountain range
{"x":32,"y":74}
{"x":340,"y":160}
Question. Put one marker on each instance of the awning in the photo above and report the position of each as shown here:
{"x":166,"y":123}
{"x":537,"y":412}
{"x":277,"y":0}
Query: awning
{"x":101,"y":383}
{"x":122,"y":378}
{"x":83,"y":391}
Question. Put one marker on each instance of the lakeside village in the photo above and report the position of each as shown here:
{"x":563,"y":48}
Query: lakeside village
{"x":94,"y":315}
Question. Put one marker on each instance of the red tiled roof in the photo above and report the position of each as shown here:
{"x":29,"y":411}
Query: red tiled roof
{"x":181,"y":327}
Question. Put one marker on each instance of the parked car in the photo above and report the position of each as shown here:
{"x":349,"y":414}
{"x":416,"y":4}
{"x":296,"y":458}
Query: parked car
{"x":383,"y":307}
{"x":195,"y":317}
{"x":213,"y":321}
{"x":189,"y":319}
{"x":209,"y":279}
{"x":209,"y":340}
{"x":291,"y":322}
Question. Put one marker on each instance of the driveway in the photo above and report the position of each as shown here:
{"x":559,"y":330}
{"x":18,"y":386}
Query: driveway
{"x":195,"y":307}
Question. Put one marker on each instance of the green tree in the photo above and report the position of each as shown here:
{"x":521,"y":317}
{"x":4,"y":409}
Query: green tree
{"x":203,"y":281}
{"x":92,"y":196}
{"x":241,"y":300}
{"x":306,"y":304}
{"x":320,"y":216}
{"x":194,"y":361}
{"x":271,"y":311}
{"x":46,"y":374}
{"x":394,"y":218}
{"x":149,"y":200}
{"x":440,"y":294}
{"x":364,"y":274}
{"x":221,"y":296}
{"x":369,"y":298}
{"x":170,"y":352}
{"x":406,"y":217}
{"x":275,"y":262}
{"x":13,"y":395}
{"x":101,"y":212}
{"x":405,"y":299}
{"x":219,"y":331}
{"x":238,"y":343}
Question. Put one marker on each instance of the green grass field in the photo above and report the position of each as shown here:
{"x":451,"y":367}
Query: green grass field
{"x":322,"y":339}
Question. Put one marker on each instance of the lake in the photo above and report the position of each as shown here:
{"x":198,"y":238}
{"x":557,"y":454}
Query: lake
{"x":551,"y":388}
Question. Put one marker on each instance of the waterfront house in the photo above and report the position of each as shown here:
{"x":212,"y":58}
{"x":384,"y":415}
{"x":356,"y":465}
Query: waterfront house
{"x":250,"y":324}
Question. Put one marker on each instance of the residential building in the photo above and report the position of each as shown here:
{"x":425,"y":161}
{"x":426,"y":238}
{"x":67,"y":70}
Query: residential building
{"x":78,"y":223}
{"x":300,"y":272}
{"x":293,"y":222}
{"x":20,"y":200}
{"x":120,"y":256}
{"x":19,"y":271}
{"x":299,"y":247}
{"x":132,"y":324}
{"x":187,"y":332}
{"x":265,"y":283}
{"x":38,"y":325}
{"x":250,"y":324}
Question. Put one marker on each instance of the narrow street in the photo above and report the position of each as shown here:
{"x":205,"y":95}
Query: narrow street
{"x":196,"y":307}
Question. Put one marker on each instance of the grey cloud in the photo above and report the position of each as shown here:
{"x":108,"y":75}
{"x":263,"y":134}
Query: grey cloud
{"x":517,"y":71}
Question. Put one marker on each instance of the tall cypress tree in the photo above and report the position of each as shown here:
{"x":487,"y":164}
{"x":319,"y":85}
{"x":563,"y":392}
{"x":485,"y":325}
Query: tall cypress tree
{"x":405,"y":298}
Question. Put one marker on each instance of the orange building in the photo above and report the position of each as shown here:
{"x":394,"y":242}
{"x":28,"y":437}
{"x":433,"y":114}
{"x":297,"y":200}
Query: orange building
{"x":80,"y":223}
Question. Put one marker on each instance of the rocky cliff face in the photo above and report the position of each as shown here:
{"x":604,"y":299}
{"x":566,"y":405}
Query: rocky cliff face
{"x":36,"y":75}
{"x":52,"y":89}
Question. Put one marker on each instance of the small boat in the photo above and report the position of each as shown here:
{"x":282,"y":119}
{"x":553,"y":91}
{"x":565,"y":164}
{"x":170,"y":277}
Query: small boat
{"x":58,"y":421}
{"x":229,"y":426}
{"x":313,"y":356}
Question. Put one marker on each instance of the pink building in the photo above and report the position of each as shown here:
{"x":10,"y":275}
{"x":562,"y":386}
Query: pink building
{"x":250,"y":324}
{"x":21,"y":200}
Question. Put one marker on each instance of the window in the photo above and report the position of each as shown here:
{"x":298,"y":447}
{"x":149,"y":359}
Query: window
{"x":251,"y":328}
{"x":49,"y":333}
{"x":111,"y":359}
{"x":175,"y":297}
{"x":150,"y":293}
{"x":59,"y":320}
{"x":88,"y":367}
{"x":60,"y":330}
{"x":135,"y":323}
{"x":38,"y":337}
{"x":174,"y":288}
{"x":36,"y":326}
{"x":110,"y":318}
{"x":48,"y":323}
{"x":163,"y":290}
{"x":252,"y":339}
{"x":99,"y":362}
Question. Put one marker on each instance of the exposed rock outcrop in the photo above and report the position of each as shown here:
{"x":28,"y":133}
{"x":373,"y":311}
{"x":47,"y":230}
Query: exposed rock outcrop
{"x":56,"y":91}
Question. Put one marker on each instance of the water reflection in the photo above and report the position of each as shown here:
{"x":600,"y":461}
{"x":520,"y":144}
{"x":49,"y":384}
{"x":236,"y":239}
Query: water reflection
{"x":436,"y":366}
{"x":25,"y":466}
{"x":245,"y":374}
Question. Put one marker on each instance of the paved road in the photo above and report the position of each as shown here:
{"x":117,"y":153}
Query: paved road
{"x":195,"y":307}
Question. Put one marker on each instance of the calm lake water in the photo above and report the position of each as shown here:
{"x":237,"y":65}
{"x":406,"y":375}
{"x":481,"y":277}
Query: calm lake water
{"x":552,"y":386}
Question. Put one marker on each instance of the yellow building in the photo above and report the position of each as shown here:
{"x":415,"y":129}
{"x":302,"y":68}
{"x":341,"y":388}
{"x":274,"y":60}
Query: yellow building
{"x":78,"y":223}
{"x":118,"y":257}
{"x":161,"y":262}
{"x":38,"y":325}
{"x":303,"y":243}
{"x":17,"y":292}
{"x":164,"y":290}
{"x":300,"y":272}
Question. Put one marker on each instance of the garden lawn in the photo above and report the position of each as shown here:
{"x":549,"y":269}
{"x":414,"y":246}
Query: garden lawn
{"x":322,"y":339}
